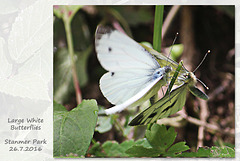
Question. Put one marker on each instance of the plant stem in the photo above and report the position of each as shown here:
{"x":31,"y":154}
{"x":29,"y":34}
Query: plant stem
{"x":158,"y":21}
{"x":157,"y":36}
{"x":157,"y":42}
{"x":119,"y":126}
{"x":67,"y":25}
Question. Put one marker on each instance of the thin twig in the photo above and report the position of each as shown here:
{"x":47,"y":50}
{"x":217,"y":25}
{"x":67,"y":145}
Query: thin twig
{"x":204,"y":114}
{"x":209,"y":127}
{"x":67,"y":24}
{"x":169,"y":19}
{"x":178,"y":121}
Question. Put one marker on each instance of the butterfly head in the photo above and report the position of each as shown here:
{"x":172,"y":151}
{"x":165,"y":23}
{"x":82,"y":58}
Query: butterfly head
{"x":189,"y":78}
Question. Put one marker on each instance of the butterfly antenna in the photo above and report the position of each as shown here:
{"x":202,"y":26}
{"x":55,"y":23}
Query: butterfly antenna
{"x":202,"y":60}
{"x":203,"y":84}
{"x":172,"y":46}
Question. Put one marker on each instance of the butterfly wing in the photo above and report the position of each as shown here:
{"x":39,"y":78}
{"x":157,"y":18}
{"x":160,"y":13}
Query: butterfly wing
{"x":145,"y":93}
{"x":130,"y":66}
{"x":198,"y":93}
{"x":166,"y":106}
{"x":118,"y":52}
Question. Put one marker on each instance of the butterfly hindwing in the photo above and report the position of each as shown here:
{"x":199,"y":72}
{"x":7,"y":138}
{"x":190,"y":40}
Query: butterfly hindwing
{"x":135,"y":100}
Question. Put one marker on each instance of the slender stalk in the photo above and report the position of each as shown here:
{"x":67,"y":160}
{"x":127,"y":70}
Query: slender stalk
{"x":157,"y":36}
{"x":67,"y":25}
{"x":119,"y":126}
{"x":158,"y":21}
{"x":157,"y":42}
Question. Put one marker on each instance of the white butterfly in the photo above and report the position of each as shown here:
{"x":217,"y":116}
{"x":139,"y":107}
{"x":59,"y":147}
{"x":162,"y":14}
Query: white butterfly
{"x":134,"y":74}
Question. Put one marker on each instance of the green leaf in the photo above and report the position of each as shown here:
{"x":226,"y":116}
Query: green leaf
{"x":114,"y":149}
{"x":143,"y":142}
{"x":111,"y":149}
{"x":104,"y":124}
{"x":59,"y":107}
{"x":96,"y":150}
{"x":178,"y":147}
{"x":142,"y":148}
{"x":160,"y":131}
{"x":73,"y":130}
{"x":159,"y":142}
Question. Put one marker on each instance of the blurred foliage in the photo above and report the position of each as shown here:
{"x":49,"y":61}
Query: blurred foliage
{"x":213,"y":152}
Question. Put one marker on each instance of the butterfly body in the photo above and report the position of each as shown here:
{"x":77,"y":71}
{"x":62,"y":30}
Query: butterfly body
{"x":172,"y":103}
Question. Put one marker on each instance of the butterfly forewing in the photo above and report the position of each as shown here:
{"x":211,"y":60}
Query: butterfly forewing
{"x":116,"y":51}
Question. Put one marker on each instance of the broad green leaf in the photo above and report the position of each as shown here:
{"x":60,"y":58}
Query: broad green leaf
{"x":159,"y":136}
{"x":159,"y":143}
{"x":73,"y":130}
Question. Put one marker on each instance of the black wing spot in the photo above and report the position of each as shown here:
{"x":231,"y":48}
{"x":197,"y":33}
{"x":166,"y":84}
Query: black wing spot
{"x":112,"y":73}
{"x":109,"y":49}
